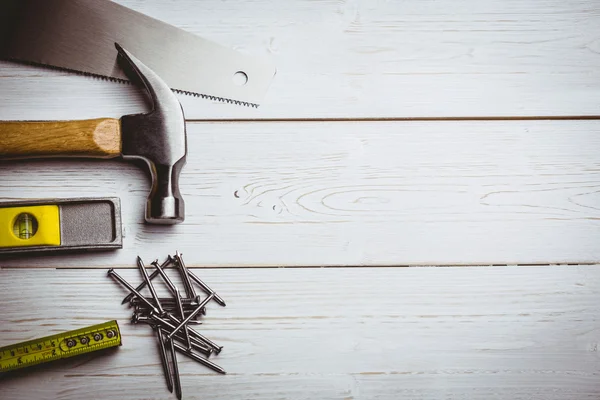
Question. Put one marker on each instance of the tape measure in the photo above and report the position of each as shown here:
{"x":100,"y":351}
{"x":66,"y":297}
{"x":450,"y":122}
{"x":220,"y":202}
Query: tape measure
{"x":62,"y":345}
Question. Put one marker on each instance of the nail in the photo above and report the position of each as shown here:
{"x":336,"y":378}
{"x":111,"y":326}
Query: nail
{"x":201,"y":360}
{"x":198,"y":301}
{"x":182,"y":316}
{"x":143,"y":284}
{"x":185,"y":278}
{"x":170,"y":312}
{"x":206,"y":289}
{"x":175,"y":369}
{"x":192,"y":315}
{"x":113,"y":274}
{"x":168,"y":281}
{"x":169,"y":305}
{"x":215,"y":347}
{"x":142,"y":269}
{"x":197,"y":343}
{"x":163,"y":359}
{"x":168,"y":301}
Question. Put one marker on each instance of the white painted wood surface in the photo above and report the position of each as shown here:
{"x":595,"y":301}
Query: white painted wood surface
{"x":354,"y":193}
{"x":364,"y":333}
{"x":365,"y":58}
{"x":370,"y":190}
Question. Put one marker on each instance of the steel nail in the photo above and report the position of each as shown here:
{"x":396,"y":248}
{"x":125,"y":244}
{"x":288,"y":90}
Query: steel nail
{"x":206,"y":289}
{"x":185,"y":278}
{"x":113,"y":274}
{"x":165,"y":301}
{"x":150,"y":285}
{"x":143,"y":284}
{"x":182,"y":316}
{"x":206,"y":341}
{"x":168,"y":281}
{"x":201,"y":360}
{"x":192,"y":315}
{"x":169,"y":307}
{"x":215,"y":347}
{"x":197,"y":343}
{"x":163,"y":359}
{"x":176,"y":379}
{"x":139,"y":287}
{"x":169,"y":313}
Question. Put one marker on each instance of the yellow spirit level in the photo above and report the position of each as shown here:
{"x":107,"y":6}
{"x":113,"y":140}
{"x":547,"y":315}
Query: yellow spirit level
{"x":51,"y":225}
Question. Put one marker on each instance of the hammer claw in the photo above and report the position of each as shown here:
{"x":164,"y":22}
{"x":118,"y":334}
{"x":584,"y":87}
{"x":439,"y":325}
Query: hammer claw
{"x":158,"y":138}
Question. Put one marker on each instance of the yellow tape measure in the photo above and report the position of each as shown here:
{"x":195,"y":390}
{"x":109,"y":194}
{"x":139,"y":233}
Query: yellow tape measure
{"x":62,"y":345}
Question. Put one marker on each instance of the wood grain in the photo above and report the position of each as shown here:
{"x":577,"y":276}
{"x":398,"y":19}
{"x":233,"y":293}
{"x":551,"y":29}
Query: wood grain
{"x":353,"y":193}
{"x":378,"y":189}
{"x":94,"y":138}
{"x":364,"y":58}
{"x":389,"y":333}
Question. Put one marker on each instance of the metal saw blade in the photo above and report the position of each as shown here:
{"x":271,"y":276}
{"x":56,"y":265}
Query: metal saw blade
{"x":79,"y":35}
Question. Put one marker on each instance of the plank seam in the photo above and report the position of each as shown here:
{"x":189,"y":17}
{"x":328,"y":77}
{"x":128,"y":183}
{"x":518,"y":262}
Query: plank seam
{"x":408,"y":119}
{"x":549,"y":265}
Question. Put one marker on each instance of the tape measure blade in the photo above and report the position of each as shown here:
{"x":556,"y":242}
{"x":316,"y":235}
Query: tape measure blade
{"x":61,"y":345}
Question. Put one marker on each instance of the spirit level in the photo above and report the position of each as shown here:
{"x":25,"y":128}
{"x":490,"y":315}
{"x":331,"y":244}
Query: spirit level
{"x":51,"y":225}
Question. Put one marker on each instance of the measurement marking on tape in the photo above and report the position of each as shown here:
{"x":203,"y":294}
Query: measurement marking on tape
{"x":62,"y":345}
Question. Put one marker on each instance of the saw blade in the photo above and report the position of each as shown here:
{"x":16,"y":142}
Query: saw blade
{"x":79,"y":35}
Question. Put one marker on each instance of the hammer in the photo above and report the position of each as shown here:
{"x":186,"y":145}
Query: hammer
{"x":158,"y":138}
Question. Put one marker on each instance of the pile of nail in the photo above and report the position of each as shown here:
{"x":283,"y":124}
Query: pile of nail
{"x":170,"y":317}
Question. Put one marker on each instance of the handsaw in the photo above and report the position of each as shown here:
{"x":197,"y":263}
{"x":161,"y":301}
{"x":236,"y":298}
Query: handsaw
{"x":79,"y":35}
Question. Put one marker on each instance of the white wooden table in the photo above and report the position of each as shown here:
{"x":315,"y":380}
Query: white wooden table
{"x":396,"y":137}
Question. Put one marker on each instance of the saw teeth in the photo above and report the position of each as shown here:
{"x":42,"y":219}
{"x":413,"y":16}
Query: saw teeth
{"x":216,"y":98}
{"x":119,"y":80}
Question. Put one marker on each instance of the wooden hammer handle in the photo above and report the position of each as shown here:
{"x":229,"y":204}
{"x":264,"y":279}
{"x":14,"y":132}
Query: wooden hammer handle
{"x":92,"y":138}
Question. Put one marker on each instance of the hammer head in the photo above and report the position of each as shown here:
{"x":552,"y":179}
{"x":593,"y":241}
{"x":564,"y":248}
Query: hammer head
{"x":158,"y":138}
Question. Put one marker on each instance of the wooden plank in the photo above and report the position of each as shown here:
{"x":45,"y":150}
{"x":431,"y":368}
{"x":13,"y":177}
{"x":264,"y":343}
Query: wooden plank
{"x":368,"y":59}
{"x":353,"y":193}
{"x":402,"y":333}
